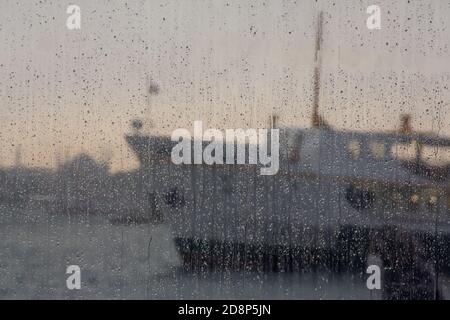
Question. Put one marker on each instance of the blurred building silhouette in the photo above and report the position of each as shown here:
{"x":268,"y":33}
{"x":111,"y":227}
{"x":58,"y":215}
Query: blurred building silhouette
{"x":82,"y":185}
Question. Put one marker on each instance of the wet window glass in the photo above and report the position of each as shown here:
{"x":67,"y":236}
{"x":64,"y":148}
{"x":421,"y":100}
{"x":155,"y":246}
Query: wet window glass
{"x":181,"y":149}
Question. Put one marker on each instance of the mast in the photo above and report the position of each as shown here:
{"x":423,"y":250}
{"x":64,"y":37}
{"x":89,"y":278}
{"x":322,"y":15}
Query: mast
{"x":317,"y":120}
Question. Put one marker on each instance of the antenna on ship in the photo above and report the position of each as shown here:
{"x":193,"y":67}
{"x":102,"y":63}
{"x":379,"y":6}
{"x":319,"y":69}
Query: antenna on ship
{"x":273,"y":121}
{"x":317,"y":120}
{"x":152,"y":89}
{"x":405,"y":124}
{"x":137,"y":125}
{"x":406,"y":128}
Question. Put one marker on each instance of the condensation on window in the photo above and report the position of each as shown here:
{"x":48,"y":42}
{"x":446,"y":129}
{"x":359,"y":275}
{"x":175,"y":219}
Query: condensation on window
{"x":184,"y":149}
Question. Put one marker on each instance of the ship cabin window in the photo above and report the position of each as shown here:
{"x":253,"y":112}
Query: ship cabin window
{"x":397,"y":197}
{"x":414,"y":202}
{"x":435,"y":155}
{"x":377,"y":149}
{"x":429,"y":197}
{"x":431,"y":155}
{"x":432,"y":201}
{"x":432,"y":198}
{"x":354,"y":148}
{"x":404,"y":152}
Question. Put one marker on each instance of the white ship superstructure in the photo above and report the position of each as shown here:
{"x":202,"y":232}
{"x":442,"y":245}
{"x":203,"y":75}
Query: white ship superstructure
{"x":327,"y":179}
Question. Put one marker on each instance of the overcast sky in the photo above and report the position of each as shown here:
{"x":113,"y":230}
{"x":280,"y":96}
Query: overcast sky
{"x":228,"y":63}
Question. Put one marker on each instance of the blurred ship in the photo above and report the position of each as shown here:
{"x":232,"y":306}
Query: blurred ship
{"x":328,"y":180}
{"x":333,"y":189}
